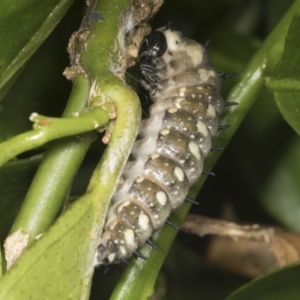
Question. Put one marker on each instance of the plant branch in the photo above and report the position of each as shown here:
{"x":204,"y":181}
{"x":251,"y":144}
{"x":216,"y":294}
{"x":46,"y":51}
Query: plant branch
{"x":55,"y":174}
{"x":47,"y":129}
{"x":109,"y":86}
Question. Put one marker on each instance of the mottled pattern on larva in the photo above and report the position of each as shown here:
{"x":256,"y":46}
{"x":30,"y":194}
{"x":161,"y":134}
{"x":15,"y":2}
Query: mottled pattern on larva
{"x":154,"y":200}
{"x":173,"y":142}
{"x":207,"y":94}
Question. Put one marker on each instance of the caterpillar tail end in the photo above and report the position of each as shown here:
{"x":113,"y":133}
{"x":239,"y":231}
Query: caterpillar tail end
{"x":113,"y":250}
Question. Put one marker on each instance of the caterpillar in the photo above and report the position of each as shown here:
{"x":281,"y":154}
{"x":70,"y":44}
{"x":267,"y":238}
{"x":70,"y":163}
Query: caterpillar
{"x":173,"y":143}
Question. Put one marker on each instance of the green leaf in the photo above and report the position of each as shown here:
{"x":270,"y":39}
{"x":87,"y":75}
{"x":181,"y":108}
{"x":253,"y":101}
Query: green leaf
{"x":24,"y":25}
{"x":281,"y":284}
{"x":284,"y":82}
{"x":265,"y":150}
{"x":15,"y":178}
{"x":61,"y":263}
{"x":281,"y":193}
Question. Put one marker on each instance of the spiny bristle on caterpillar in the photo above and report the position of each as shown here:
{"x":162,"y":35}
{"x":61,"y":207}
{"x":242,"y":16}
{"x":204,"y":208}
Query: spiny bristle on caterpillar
{"x":152,"y":244}
{"x":168,"y":157}
{"x":222,"y":127}
{"x":137,"y":255}
{"x":171,"y":224}
{"x":190,"y":200}
{"x":227,"y":103}
{"x":124,"y":263}
{"x":204,"y":172}
{"x":169,"y":26}
{"x":226,"y":75}
{"x":216,"y":149}
{"x":207,"y":43}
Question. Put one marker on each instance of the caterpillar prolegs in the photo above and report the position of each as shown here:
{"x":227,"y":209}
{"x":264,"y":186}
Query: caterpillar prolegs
{"x":173,"y":142}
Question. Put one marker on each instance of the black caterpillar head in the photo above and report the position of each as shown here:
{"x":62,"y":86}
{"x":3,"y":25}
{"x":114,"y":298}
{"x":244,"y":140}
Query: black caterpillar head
{"x":154,"y":45}
{"x":158,"y":42}
{"x":156,"y":49}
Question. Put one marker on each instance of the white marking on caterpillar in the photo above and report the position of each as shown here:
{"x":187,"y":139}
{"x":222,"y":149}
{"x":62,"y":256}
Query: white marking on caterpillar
{"x":165,"y":132}
{"x":121,"y":206}
{"x":195,"y":149}
{"x":111,"y":257}
{"x":211,"y":111}
{"x":179,"y":173}
{"x":129,"y":237}
{"x":112,"y":224}
{"x":202,"y":128}
{"x":172,"y":110}
{"x":162,"y":197}
{"x":123,"y":250}
{"x":140,"y":179}
{"x":143,"y":221}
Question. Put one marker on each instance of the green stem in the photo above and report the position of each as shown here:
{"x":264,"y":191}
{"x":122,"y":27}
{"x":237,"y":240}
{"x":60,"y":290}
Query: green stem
{"x":47,"y":129}
{"x":55,"y":174}
{"x":108,"y":171}
{"x":138,"y":280}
